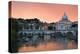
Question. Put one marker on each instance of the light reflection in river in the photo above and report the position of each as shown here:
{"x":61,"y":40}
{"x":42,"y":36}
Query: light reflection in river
{"x":54,"y":45}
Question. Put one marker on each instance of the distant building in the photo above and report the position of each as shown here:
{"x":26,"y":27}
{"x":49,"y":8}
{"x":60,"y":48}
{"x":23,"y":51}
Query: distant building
{"x":64,"y":23}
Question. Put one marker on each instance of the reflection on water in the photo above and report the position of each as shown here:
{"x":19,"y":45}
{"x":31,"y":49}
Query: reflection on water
{"x":52,"y":45}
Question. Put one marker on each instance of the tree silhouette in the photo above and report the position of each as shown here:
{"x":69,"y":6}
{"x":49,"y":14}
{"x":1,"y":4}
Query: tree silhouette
{"x":69,"y":35}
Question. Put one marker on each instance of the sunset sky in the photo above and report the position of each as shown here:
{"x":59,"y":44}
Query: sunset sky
{"x":46,"y":12}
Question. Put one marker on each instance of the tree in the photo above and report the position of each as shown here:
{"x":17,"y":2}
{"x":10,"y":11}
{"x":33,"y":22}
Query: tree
{"x":50,"y":27}
{"x":69,"y":35}
{"x":74,"y":25}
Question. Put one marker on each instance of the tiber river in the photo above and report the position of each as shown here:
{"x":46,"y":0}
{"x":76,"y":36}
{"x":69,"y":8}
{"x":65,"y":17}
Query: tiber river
{"x":59,"y":44}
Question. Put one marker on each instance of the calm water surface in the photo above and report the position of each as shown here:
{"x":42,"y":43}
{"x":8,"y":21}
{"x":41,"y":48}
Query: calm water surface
{"x":60,"y":44}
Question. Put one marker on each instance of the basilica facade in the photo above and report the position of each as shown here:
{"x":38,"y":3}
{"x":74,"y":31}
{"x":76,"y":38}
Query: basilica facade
{"x":64,"y":23}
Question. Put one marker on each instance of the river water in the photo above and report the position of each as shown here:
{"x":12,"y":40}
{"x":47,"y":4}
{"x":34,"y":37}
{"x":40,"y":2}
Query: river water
{"x":60,"y":44}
